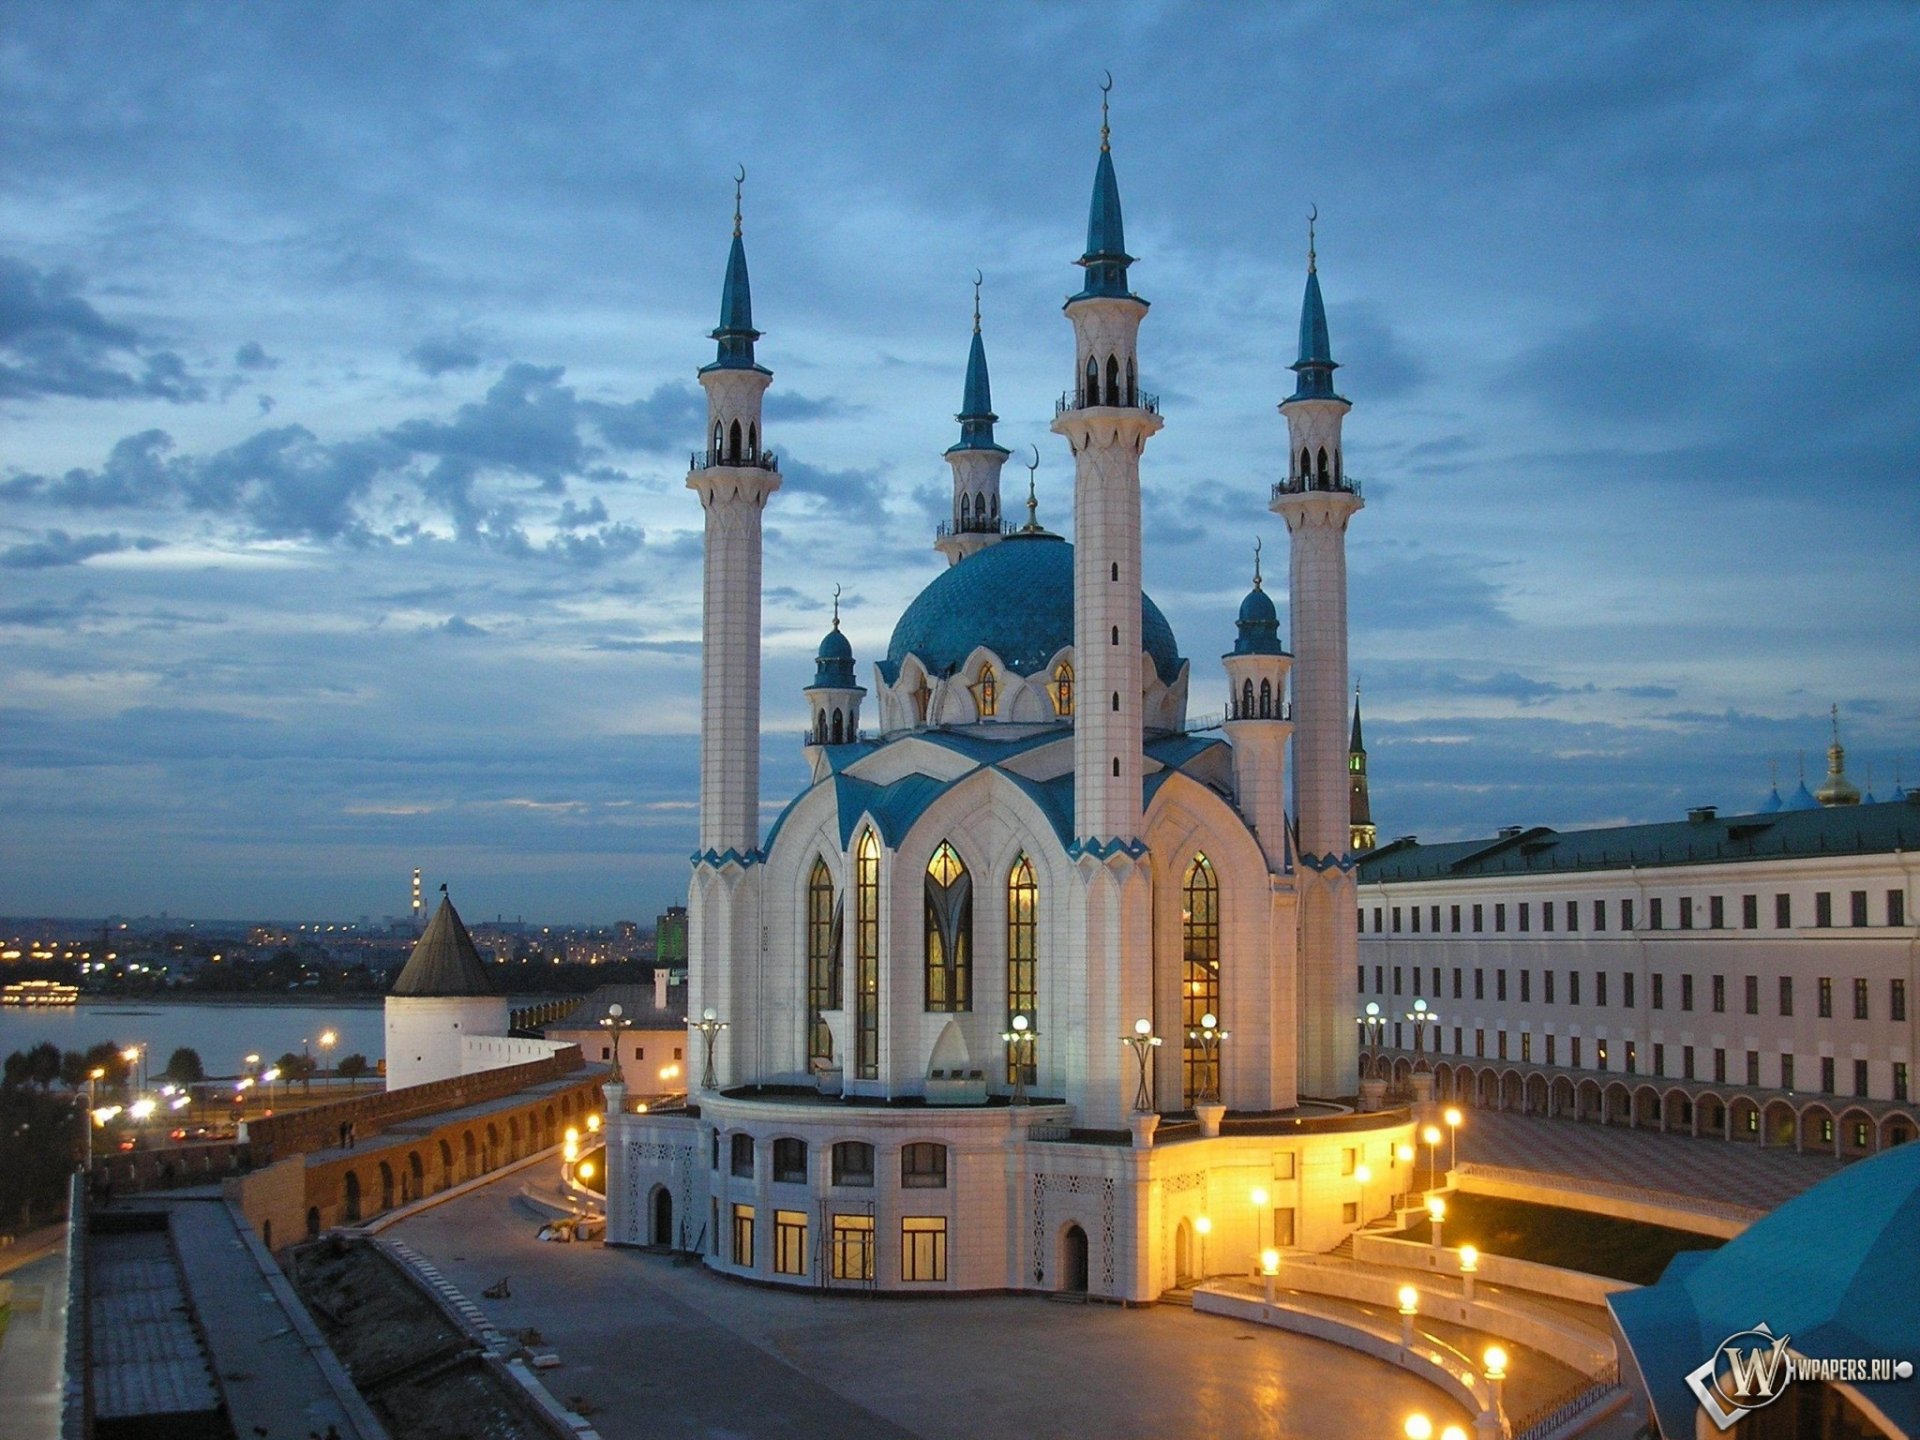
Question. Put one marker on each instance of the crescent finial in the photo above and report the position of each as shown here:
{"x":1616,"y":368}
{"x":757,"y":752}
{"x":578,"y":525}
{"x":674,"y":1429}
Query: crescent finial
{"x":1105,"y":90}
{"x":978,"y":281}
{"x":1033,"y":504}
{"x":739,"y":179}
{"x":1313,"y":216}
{"x":1256,"y":562}
{"x":836,"y":605}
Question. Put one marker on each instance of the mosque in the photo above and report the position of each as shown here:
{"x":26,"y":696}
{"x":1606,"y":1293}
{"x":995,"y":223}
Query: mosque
{"x":1039,"y":983}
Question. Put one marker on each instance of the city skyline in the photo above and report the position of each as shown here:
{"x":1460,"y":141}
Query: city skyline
{"x":346,"y":389}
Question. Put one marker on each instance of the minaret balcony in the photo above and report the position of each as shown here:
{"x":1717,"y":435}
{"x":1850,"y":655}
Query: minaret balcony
{"x":973,"y":527}
{"x":1278,"y":710}
{"x":1093,"y":400}
{"x":1306,"y":484}
{"x":734,"y":460}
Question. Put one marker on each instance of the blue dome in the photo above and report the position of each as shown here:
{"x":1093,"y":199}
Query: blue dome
{"x":833,"y":665}
{"x":1259,"y":626}
{"x":1015,"y":598}
{"x":834,"y":645}
{"x":1257,"y":609}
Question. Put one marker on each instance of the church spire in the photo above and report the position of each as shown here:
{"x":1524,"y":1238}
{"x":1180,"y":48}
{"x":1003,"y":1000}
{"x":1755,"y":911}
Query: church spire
{"x":736,"y":333}
{"x":1316,"y":364}
{"x":976,"y":415}
{"x":1360,"y":807}
{"x":1106,"y":260}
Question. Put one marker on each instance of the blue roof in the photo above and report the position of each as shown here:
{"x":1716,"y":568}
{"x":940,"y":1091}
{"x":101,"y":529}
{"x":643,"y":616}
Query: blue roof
{"x":1801,"y":799}
{"x":1835,"y":1269}
{"x":1316,"y":364}
{"x":1773,"y":804}
{"x":736,"y":333}
{"x":976,"y":415}
{"x":1016,"y":599}
{"x":833,"y":663}
{"x":1259,"y":626}
{"x":1106,"y":259}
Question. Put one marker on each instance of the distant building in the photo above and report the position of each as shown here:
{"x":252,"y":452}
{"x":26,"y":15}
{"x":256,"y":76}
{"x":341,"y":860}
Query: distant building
{"x":670,"y":938}
{"x":1361,"y":817}
{"x":652,"y":1034}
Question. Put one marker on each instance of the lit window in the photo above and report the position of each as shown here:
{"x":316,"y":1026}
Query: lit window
{"x":1200,"y":980}
{"x":986,"y":692}
{"x":1023,"y":986}
{"x":923,"y":1247}
{"x":949,"y":915}
{"x":790,"y":1242}
{"x":853,"y":1247}
{"x":1061,"y":690}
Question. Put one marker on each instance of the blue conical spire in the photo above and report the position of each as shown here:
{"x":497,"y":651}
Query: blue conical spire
{"x":976,"y":415}
{"x":1106,"y":259}
{"x":1316,"y":364}
{"x":736,"y":333}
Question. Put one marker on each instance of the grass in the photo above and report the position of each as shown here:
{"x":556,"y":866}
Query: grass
{"x":1572,"y":1239}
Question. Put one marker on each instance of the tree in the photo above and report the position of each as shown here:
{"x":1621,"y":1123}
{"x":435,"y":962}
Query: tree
{"x":19,"y":1070}
{"x":106,"y":1056}
{"x":73,"y":1069}
{"x":297,"y":1067}
{"x":43,"y":1062}
{"x":184,"y":1067}
{"x":352,"y":1067}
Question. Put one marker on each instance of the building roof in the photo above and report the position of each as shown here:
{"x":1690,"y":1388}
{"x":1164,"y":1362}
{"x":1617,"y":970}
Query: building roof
{"x":1835,"y":1270}
{"x":1709,"y":840}
{"x":1316,"y":364}
{"x":444,"y":962}
{"x":636,"y":1005}
{"x":976,"y":415}
{"x":1016,"y":599}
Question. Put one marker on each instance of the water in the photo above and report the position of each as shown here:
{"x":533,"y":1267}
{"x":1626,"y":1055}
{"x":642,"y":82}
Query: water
{"x":224,"y":1034}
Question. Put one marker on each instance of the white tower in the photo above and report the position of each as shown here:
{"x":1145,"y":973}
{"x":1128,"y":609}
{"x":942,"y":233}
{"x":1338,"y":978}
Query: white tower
{"x":1316,"y":500}
{"x":1107,"y":421}
{"x":833,"y":699}
{"x":1260,"y":720}
{"x":976,"y":460}
{"x":442,"y":996}
{"x":733,"y":477}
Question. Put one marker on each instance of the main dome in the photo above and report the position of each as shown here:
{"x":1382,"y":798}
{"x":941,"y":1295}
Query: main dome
{"x":1016,"y":599}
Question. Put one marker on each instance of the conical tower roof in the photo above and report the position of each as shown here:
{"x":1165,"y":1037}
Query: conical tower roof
{"x":444,"y":962}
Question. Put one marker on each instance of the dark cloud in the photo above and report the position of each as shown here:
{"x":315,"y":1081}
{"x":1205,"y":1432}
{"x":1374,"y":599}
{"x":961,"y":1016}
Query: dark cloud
{"x":673,"y":417}
{"x":54,"y":342}
{"x":608,"y":543}
{"x":57,"y":548}
{"x":786,"y":405}
{"x":1374,"y":356}
{"x":575,"y":517}
{"x":46,"y":614}
{"x":1420,"y":591}
{"x":285,"y":483}
{"x":1619,"y":367}
{"x":1646,"y":692}
{"x":849,"y":492}
{"x":253,"y":356}
{"x":445,"y":354}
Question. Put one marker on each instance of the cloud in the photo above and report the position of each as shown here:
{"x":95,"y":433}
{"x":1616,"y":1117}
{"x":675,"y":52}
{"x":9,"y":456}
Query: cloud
{"x":252,"y":356}
{"x":852,"y":492}
{"x":286,"y":484}
{"x":54,"y":342}
{"x":573,"y":517}
{"x":671,"y":418}
{"x":786,"y":405}
{"x":445,"y":354}
{"x":1422,"y":591}
{"x":58,"y":548}
{"x":1616,"y":367}
{"x":461,"y":628}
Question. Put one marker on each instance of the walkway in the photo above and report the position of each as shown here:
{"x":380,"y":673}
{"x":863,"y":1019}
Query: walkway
{"x":33,"y":1349}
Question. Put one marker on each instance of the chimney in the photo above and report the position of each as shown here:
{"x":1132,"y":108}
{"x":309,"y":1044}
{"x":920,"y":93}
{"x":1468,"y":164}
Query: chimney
{"x":1703,"y":814}
{"x":660,"y":973}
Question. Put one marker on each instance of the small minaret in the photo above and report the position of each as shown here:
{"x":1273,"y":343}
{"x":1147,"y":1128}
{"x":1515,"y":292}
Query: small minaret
{"x":1360,"y":816}
{"x":733,"y":478}
{"x":833,"y":700}
{"x":1317,"y":499}
{"x":1259,"y":719}
{"x":976,"y":459}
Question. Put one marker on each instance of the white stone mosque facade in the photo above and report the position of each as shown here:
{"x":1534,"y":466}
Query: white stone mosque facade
{"x":1016,"y":828}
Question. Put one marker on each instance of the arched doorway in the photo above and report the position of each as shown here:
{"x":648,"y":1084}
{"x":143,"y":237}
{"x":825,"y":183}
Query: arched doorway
{"x":416,"y":1185}
{"x":386,"y":1186}
{"x":313,"y":1222}
{"x":353,"y":1197}
{"x":662,"y":1216}
{"x":446,"y":1166}
{"x":1183,"y":1254}
{"x":1073,"y":1260}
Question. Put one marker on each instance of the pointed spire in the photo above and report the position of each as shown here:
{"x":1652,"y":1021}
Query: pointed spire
{"x":1106,"y":260}
{"x":1316,"y":364}
{"x":976,"y":415}
{"x":1355,"y":744}
{"x":736,"y":333}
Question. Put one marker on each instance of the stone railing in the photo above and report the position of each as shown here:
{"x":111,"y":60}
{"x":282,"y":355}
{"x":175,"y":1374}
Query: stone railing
{"x":1609,"y":1190}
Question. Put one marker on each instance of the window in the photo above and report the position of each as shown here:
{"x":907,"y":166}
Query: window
{"x":1749,"y":912}
{"x":1626,"y":914}
{"x":1479,"y":983}
{"x":1501,"y":1039}
{"x":1023,"y":983}
{"x":1500,"y":986}
{"x":1480,"y":1044}
{"x":1573,"y":914}
{"x":1526,"y":987}
{"x":1600,"y":988}
{"x":1899,"y":1079}
{"x":852,"y":1163}
{"x":1200,"y":963}
{"x":1659,"y":1058}
{"x":1500,"y":917}
{"x":853,"y":1247}
{"x":713,"y":1152}
{"x":986,"y":692}
{"x":1453,"y":917}
{"x":790,"y":1162}
{"x":743,"y":1235}
{"x":1632,"y":1061}
{"x":1061,"y":690}
{"x":1786,"y":995}
{"x":1477,"y":912}
{"x":923,"y":1166}
{"x":866,"y":957}
{"x":1823,"y":997}
{"x":1626,"y":988}
{"x":1753,"y":994}
{"x":1753,"y":1067}
{"x":1526,"y":1045}
{"x":1573,"y":1045}
{"x":789,"y":1242}
{"x":1526,"y":915}
{"x":1656,"y":908}
{"x":1858,"y":905}
{"x":1546,"y":986}
{"x":743,"y":1156}
{"x":1786,"y":1072}
{"x":1546,"y":914}
{"x":823,"y":960}
{"x":1896,"y":999}
{"x":1599,"y":914}
{"x":923,"y":1247}
{"x":1720,"y":1065}
{"x":1436,"y":920}
{"x":1686,"y":1062}
{"x":1896,"y":907}
{"x":1659,"y":991}
{"x":1823,"y":909}
{"x":1860,"y":1078}
{"x":949,"y":913}
{"x":1719,"y":994}
{"x":1573,"y":987}
{"x":1379,"y":921}
{"x":1456,"y":982}
{"x":1686,"y":913}
{"x":1552,"y":1058}
{"x":1686,"y":992}
{"x":1783,"y":912}
{"x":1826,"y":1074}
{"x":1396,"y":919}
{"x":1716,"y":913}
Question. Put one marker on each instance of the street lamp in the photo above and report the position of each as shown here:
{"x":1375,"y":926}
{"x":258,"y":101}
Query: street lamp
{"x":328,"y":1039}
{"x":709,"y":1026}
{"x":1453,"y":1117}
{"x":1436,"y":1212}
{"x":1258,"y":1198}
{"x":1209,"y":1036}
{"x":614,"y":1021}
{"x":1469,"y":1267}
{"x":1203,"y":1227}
{"x":1019,"y":1037}
{"x":1430,"y":1136}
{"x":1363,"y":1173}
{"x":1421,"y":1017}
{"x":1143,"y":1043}
{"x":1409,"y":1307}
{"x":1370,"y":1022}
{"x":1495,"y":1372}
{"x":1269,"y":1270}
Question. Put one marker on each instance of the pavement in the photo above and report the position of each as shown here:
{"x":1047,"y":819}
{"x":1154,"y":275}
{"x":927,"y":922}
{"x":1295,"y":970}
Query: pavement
{"x":652,"y":1348}
{"x":33,"y":1349}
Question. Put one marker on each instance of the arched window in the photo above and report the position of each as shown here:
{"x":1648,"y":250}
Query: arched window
{"x":1266,"y":699}
{"x":1092,"y":395}
{"x":866,"y":957}
{"x":1133,"y":393}
{"x":733,"y":441}
{"x":1116,"y":702}
{"x":839,"y":734}
{"x":823,"y":959}
{"x":949,"y":931}
{"x":1306,"y":464}
{"x":1246,"y":699}
{"x":1116,"y":571}
{"x":1116,"y":635}
{"x":986,"y":692}
{"x":980,"y":508}
{"x":996,"y":505}
{"x":1116,"y":767}
{"x":966,"y":510}
{"x":1113,"y":380}
{"x":1062,"y":689}
{"x":1200,"y":974}
{"x":1023,"y":956}
{"x":753,"y":439}
{"x":1323,"y":467}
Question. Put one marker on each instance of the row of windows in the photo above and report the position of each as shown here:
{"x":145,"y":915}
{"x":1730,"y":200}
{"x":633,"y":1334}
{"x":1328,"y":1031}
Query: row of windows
{"x":1656,"y":986}
{"x":923,"y":1244}
{"x":923,"y":1165}
{"x":1687,"y":914}
{"x":1576,"y":1056}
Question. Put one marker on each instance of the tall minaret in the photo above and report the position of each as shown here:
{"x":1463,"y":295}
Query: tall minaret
{"x":733,"y":478}
{"x":1359,"y":807}
{"x":1316,"y":500}
{"x":1106,"y":421}
{"x":976,"y":460}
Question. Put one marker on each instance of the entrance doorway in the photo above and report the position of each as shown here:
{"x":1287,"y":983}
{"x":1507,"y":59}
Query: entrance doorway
{"x":1183,"y":1254}
{"x":662,"y":1216}
{"x":1073,"y":1260}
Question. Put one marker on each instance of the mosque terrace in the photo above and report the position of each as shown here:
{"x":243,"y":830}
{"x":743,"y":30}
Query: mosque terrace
{"x":1091,"y":400}
{"x":733,"y":459}
{"x":1301,"y":484}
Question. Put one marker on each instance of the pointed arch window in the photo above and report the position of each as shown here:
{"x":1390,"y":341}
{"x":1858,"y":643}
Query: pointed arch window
{"x":1091,"y":394}
{"x":949,"y":931}
{"x":718,"y":442}
{"x":823,"y":959}
{"x":866,"y":957}
{"x":986,"y":692}
{"x":1113,"y":380}
{"x":1246,"y":699}
{"x":966,"y":510}
{"x":753,"y":439}
{"x":1062,"y":690}
{"x":1200,"y":974}
{"x":733,"y":441}
{"x":839,"y":732}
{"x":1323,"y":467}
{"x":1133,"y":392}
{"x":1266,"y":699}
{"x":1023,"y":963}
{"x":1306,"y":464}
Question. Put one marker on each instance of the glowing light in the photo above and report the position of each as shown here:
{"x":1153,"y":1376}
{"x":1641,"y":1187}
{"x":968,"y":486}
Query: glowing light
{"x":1453,"y":1117}
{"x":1496,"y":1362}
{"x":584,"y":1170}
{"x":1418,"y":1427}
{"x":1431,"y":1134}
{"x":1404,"y":1152}
{"x":1436,"y":1208}
{"x":1203,"y":1225}
{"x":1469,"y":1259}
{"x":1409,"y":1299}
{"x":141,"y":1109}
{"x":1259,"y":1196}
{"x":593,"y":1124}
{"x":1363,"y":1173}
{"x":1270,"y":1261}
{"x":1143,"y":1027}
{"x":1453,"y":1432}
{"x":130,"y":1054}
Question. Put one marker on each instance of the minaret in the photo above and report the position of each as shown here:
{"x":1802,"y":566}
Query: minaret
{"x":833,"y":700}
{"x":1106,"y":421}
{"x":1316,"y":500}
{"x":1360,"y":810}
{"x":976,"y":459}
{"x":1259,"y":720}
{"x":733,"y":478}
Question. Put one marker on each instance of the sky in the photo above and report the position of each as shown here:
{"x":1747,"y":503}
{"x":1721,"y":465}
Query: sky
{"x":347,"y":362}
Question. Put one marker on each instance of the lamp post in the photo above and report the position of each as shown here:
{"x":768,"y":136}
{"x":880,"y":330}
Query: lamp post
{"x":1421,"y":1017}
{"x":709,"y":1026}
{"x":1363,"y":1173}
{"x":1495,"y":1372}
{"x":1203,"y":1227}
{"x":1370,"y":1022}
{"x":1209,"y":1036}
{"x":1436,"y":1213}
{"x":614,"y":1021}
{"x":1430,"y":1136}
{"x":1453,"y":1117}
{"x":1409,"y":1307}
{"x":328,"y":1039}
{"x":1143,"y":1043}
{"x":1019,"y":1037}
{"x":1469,"y":1267}
{"x":1258,"y":1199}
{"x":1403,"y":1152}
{"x":1269,"y":1270}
